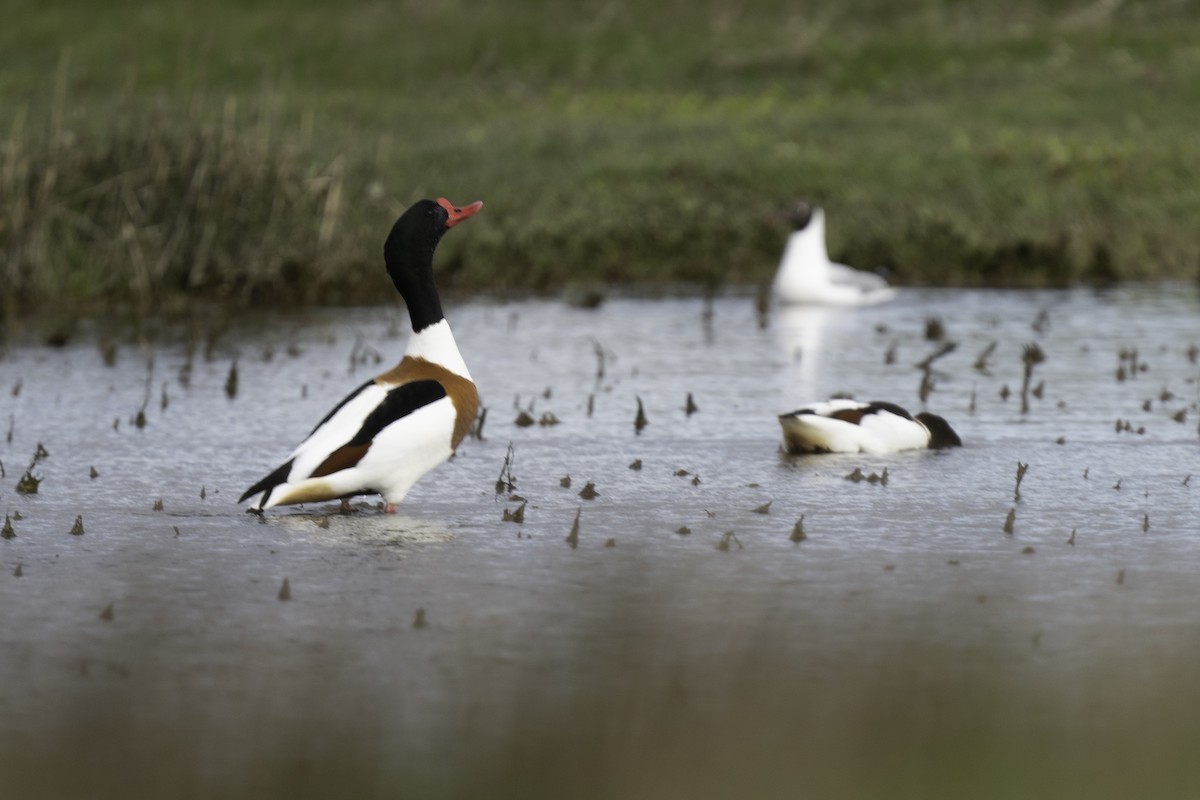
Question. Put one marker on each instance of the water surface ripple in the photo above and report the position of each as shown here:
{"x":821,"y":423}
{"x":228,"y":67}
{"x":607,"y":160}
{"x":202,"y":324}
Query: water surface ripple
{"x":907,"y":625}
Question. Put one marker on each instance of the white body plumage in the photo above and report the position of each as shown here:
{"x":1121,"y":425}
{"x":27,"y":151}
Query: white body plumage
{"x":806,"y":275}
{"x":850,"y":426}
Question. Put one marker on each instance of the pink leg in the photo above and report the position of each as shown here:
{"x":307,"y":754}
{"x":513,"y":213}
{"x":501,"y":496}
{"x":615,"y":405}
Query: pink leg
{"x":389,"y":508}
{"x":346,"y":509}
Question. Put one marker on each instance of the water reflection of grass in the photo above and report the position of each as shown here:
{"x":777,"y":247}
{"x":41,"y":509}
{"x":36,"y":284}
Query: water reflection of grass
{"x":906,"y":721}
{"x":260,"y":157}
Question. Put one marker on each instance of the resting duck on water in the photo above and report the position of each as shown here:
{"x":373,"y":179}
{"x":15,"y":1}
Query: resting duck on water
{"x":396,"y":427}
{"x":806,"y":275}
{"x":849,"y":426}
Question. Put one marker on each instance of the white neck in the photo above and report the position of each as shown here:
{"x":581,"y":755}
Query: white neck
{"x":435,"y":343}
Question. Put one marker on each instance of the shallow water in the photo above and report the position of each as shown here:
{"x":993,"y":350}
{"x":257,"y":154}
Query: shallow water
{"x":907,"y":646}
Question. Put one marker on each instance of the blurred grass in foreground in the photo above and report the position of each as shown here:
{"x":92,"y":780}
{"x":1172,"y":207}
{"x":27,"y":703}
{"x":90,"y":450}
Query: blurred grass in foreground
{"x":160,"y":153}
{"x":906,"y":721}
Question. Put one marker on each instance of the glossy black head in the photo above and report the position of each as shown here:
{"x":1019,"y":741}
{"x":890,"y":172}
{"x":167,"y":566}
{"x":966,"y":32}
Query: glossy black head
{"x":941,"y":435}
{"x":408,"y":253}
{"x":799,"y":215}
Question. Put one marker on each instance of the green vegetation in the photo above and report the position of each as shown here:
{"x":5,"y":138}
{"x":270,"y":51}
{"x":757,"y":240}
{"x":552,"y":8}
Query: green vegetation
{"x":158,"y":152}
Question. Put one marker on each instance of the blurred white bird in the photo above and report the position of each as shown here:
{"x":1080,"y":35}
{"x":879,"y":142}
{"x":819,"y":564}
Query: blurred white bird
{"x":806,"y":275}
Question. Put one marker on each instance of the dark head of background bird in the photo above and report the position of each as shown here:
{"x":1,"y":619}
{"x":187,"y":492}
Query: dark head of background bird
{"x":941,"y":435}
{"x":798,"y":215}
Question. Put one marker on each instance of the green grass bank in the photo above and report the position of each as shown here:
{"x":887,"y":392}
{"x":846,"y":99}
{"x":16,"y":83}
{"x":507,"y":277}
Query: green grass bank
{"x":154,"y":154}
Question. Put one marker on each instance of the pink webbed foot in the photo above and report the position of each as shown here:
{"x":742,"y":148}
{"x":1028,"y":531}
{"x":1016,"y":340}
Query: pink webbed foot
{"x":389,"y":508}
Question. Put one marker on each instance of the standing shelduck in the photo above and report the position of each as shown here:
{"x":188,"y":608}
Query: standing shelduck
{"x":849,"y":426}
{"x":806,"y":275}
{"x":396,"y":427}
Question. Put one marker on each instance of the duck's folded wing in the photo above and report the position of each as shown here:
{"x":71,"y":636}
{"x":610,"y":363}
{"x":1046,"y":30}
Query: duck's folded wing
{"x":345,"y":434}
{"x":345,"y":438}
{"x":836,"y":407}
{"x":348,"y":399}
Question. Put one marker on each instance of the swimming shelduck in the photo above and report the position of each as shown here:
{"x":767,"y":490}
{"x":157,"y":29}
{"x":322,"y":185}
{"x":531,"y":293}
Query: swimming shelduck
{"x":849,"y":426}
{"x":806,"y":275}
{"x":396,"y":427}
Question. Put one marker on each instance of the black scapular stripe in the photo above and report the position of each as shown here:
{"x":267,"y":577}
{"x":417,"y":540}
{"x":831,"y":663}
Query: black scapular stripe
{"x":869,"y":408}
{"x":339,"y":406}
{"x":400,"y":402}
{"x":881,"y":405}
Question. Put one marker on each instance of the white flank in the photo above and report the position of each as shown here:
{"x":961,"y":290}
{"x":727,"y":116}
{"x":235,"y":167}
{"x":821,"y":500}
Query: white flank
{"x":878,"y":433}
{"x":407,"y":449}
{"x":813,"y":433}
{"x":893,"y":433}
